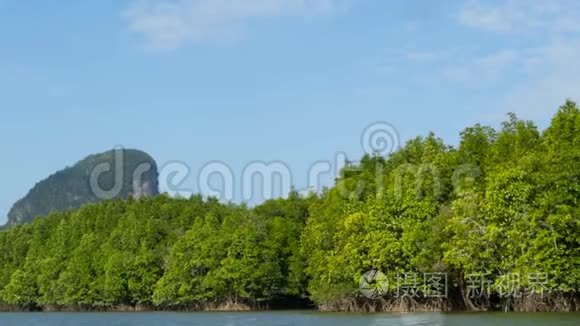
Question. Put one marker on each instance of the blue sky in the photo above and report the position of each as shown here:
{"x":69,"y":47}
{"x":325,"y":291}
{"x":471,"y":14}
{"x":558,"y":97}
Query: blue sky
{"x":289,"y":80}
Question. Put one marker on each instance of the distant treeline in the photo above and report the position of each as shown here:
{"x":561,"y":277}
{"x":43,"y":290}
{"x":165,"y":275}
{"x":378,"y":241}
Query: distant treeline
{"x":501,"y":204}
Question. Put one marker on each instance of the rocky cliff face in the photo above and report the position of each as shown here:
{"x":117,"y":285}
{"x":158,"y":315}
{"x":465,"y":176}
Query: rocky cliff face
{"x":118,"y":173}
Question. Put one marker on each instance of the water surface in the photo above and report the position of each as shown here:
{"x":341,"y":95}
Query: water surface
{"x":294,"y":318}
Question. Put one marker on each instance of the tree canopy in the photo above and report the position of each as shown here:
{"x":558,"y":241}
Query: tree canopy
{"x":502,"y":203}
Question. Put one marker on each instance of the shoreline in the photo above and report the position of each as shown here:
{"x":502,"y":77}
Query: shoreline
{"x":571,"y":305}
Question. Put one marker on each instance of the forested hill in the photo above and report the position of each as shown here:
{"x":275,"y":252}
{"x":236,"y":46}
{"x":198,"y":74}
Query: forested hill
{"x":504,"y":203}
{"x":71,"y":188}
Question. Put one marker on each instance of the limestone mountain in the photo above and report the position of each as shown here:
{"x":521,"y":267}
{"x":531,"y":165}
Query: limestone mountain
{"x":118,"y":173}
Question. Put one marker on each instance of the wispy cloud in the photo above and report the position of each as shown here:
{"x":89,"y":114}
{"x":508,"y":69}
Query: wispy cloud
{"x":553,"y":76}
{"x":483,"y":68}
{"x":428,"y":55}
{"x":548,"y":69}
{"x":169,"y":24}
{"x":521,"y":16}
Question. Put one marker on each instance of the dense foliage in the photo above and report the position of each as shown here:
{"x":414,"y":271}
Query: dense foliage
{"x":501,"y":203}
{"x":71,"y":188}
{"x":155,"y":251}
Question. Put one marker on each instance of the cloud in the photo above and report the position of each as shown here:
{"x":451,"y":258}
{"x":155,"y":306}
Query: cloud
{"x":548,"y":71}
{"x":428,"y":56}
{"x":169,"y":24}
{"x":522,"y":16}
{"x":483,"y":68}
{"x":542,"y":77}
{"x":553,"y":76}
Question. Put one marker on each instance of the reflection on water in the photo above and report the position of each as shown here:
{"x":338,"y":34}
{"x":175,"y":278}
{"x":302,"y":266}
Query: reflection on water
{"x":434,"y":319}
{"x":294,"y":318}
{"x":424,"y":319}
